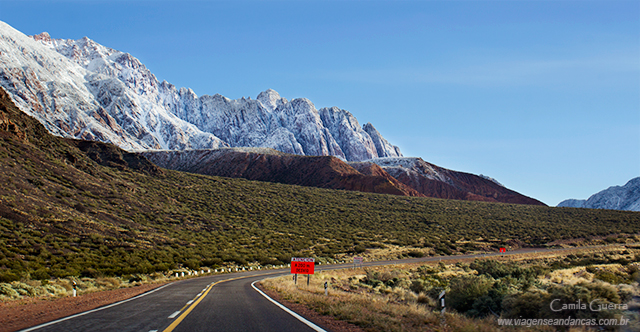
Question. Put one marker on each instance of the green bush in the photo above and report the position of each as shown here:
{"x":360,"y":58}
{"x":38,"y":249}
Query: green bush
{"x":524,"y":305}
{"x":415,"y":253}
{"x":40,"y":274}
{"x":8,"y":276}
{"x":465,"y":290}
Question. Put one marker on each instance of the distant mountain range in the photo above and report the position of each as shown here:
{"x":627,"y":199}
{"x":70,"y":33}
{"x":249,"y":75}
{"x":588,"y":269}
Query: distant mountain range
{"x":81,"y":89}
{"x":625,"y":197}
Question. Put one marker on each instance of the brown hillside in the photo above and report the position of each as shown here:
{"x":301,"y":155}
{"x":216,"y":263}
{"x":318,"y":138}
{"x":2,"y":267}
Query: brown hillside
{"x":311,"y":171}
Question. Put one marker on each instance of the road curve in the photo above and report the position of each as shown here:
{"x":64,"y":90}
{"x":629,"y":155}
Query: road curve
{"x":225,"y":302}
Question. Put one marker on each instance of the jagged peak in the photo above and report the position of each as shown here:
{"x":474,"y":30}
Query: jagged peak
{"x":303,"y":102}
{"x":269,"y":93}
{"x":368,"y":126}
{"x":269,"y":99}
{"x":44,"y":37}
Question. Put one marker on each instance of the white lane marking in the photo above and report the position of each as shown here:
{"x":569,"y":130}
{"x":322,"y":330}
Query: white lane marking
{"x":173,"y":315}
{"x":153,"y":331}
{"x":188,"y":303}
{"x":94,"y":310}
{"x":300,"y":318}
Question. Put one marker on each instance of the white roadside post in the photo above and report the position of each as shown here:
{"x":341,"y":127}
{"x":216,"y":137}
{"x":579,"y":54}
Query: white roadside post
{"x":442,"y":305}
{"x":326,"y":290}
{"x":75,"y":285}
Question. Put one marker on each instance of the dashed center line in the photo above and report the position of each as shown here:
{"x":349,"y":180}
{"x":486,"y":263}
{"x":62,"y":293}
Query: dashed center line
{"x":173,"y":315}
{"x":189,"y":302}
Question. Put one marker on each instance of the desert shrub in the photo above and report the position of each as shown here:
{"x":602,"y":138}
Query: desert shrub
{"x":108,"y":282}
{"x":389,"y":279}
{"x":9,"y":277}
{"x":415,"y":253}
{"x":576,"y":300}
{"x":26,"y":290}
{"x":524,"y":305}
{"x":40,"y":274}
{"x":417,"y":286}
{"x":426,"y":270}
{"x":90,"y":273}
{"x":135,"y":278}
{"x":634,"y":273}
{"x":215,"y":262}
{"x":7,"y":290}
{"x":465,"y":290}
{"x":491,"y":302}
{"x":54,"y":289}
{"x":609,"y":277}
{"x":496,"y":269}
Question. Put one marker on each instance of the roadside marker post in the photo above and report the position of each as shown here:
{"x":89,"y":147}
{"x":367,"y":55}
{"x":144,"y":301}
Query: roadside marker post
{"x":326,"y":290}
{"x":443,"y":306}
{"x":75,"y":285}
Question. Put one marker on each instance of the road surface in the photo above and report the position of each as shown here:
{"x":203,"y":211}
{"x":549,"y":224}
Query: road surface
{"x":224,"y":302}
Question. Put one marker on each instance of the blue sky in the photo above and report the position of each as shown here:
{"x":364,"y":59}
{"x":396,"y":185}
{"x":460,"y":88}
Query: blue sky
{"x":544,"y":96}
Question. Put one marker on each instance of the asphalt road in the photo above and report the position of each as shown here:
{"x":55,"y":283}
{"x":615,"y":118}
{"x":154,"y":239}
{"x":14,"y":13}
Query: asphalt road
{"x":224,"y":302}
{"x":214,"y":304}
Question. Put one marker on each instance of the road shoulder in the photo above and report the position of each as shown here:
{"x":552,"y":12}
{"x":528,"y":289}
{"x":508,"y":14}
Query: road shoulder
{"x":21,"y":314}
{"x":329,"y":323}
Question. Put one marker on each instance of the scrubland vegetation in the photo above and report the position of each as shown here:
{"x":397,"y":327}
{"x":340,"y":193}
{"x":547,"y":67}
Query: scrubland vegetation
{"x":84,"y":209}
{"x":478,"y":292}
{"x":59,"y":287}
{"x":65,"y":214}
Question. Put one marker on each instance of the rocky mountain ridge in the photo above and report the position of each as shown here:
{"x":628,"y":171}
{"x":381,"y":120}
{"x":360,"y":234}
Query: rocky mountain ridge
{"x":435,"y":181}
{"x":626,"y":198}
{"x":274,"y":166}
{"x":397,"y":176}
{"x":81,"y":89}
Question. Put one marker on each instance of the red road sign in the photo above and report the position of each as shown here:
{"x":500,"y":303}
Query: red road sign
{"x":503,"y":250}
{"x":302,"y":265}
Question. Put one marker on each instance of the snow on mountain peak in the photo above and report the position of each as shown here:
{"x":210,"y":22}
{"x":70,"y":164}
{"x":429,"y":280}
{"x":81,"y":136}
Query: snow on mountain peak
{"x":625,"y":197}
{"x":270,"y":99}
{"x":82,"y":89}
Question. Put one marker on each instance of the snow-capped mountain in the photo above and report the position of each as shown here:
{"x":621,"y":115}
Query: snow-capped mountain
{"x":90,"y":92}
{"x":625,"y":197}
{"x":81,"y":89}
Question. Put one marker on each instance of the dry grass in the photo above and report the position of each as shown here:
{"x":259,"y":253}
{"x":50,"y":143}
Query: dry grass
{"x":382,"y":307}
{"x":62,"y":287}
